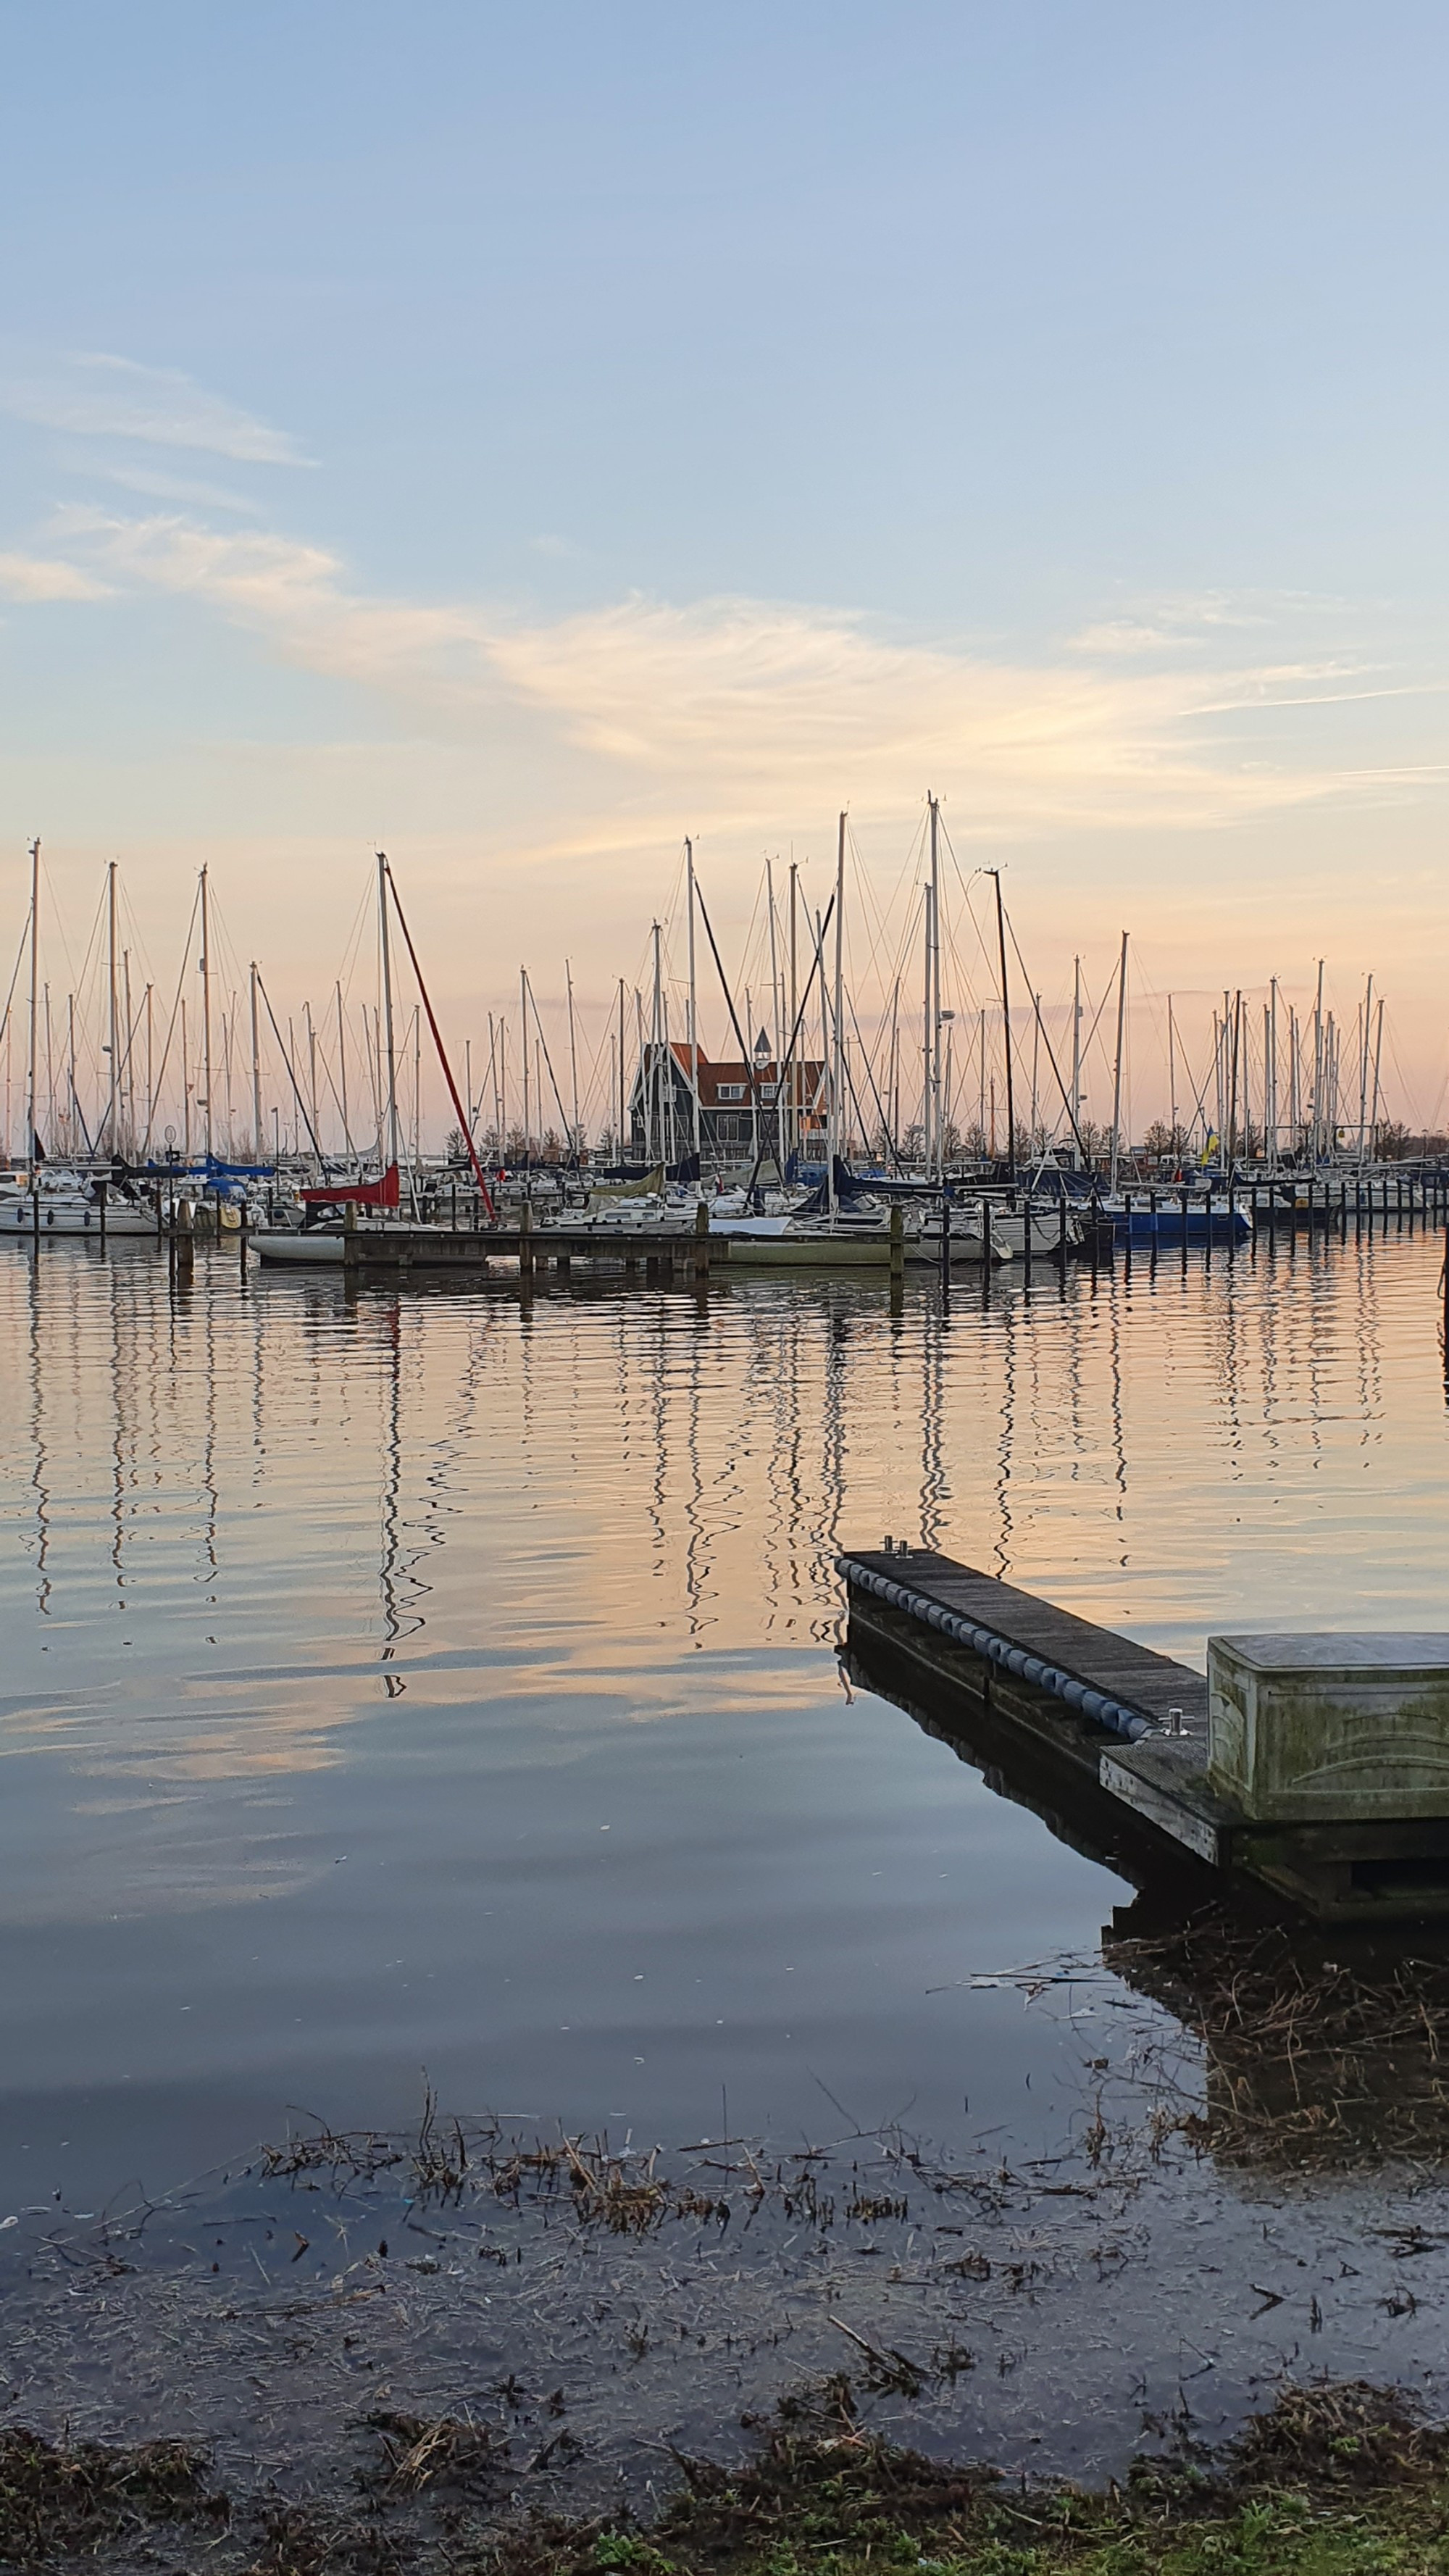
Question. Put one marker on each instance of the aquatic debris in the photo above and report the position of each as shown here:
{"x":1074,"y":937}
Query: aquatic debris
{"x":62,"y":2497}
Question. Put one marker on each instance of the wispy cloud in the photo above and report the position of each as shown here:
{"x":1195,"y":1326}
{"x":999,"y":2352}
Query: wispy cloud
{"x":156,"y":485}
{"x":96,"y":395}
{"x":33,"y":578}
{"x":741,"y":706}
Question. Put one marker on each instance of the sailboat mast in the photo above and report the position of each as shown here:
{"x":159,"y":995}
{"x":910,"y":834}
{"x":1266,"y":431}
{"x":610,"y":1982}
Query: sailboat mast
{"x":656,"y":1043}
{"x":1006,"y":1031}
{"x":342,"y":1070}
{"x":523,"y":1040}
{"x":794,"y":1129}
{"x":33,"y":1138}
{"x":1363,"y":1069}
{"x":112,"y":1048}
{"x":128,"y":1137}
{"x":1117,"y":1066}
{"x":1171,"y":1075}
{"x":693,"y":1014}
{"x":835,"y":1131}
{"x":1076,"y":1063}
{"x":206,"y":1012}
{"x":392,"y":1134}
{"x":573,"y":1060}
{"x":932,"y":1031}
{"x":1318,"y":1067}
{"x":1272,"y":1042}
{"x":258,"y":1147}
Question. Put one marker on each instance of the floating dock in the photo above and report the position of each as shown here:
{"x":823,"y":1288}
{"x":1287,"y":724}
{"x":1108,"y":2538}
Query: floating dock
{"x":1109,"y":1742}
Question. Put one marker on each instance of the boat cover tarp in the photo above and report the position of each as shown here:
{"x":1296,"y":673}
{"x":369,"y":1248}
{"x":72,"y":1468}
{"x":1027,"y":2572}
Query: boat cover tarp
{"x":383,"y":1193}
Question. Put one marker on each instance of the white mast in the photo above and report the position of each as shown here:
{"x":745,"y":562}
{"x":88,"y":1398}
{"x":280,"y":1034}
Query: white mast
{"x":392,"y":1134}
{"x":932,"y":1034}
{"x":573,"y":1060}
{"x":656,"y":1044}
{"x":1117,"y":1068}
{"x":523,"y":1025}
{"x":1318,"y":1067}
{"x":835,"y":1129}
{"x":31,"y":1138}
{"x":1273,"y":1062}
{"x":1363,"y":1067}
{"x":1076,"y":1062}
{"x":113,"y":1050}
{"x":693,"y":1015}
{"x":258,"y":1146}
{"x":342,"y":1070}
{"x":206,"y":1011}
{"x":128,"y":1101}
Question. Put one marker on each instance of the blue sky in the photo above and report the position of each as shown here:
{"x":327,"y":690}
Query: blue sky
{"x":530,"y":434}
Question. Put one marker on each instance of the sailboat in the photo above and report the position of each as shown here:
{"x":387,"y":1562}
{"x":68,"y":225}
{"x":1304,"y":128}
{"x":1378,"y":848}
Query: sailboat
{"x":320,"y":1237}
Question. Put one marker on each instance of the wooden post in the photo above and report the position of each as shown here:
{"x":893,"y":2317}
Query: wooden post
{"x":525,"y":1239}
{"x":185,"y":1243}
{"x":101,"y":1200}
{"x":349,"y":1234}
{"x":701,"y":1241}
{"x":242,"y":1235}
{"x":898,"y":1241}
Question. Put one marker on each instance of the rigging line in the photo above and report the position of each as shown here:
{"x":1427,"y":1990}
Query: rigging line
{"x":885,"y":1124}
{"x":750,"y":1075}
{"x":56,"y":915}
{"x":442,"y":1054}
{"x":538,"y":1024}
{"x":817,"y":967}
{"x":19,"y":962}
{"x":966,"y":884}
{"x":171,"y":1023}
{"x":287,"y":1061}
{"x":1069,"y":1105}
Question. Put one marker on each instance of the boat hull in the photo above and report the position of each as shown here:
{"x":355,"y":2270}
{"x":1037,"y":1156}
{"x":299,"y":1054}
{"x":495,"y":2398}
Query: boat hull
{"x":65,"y":1219}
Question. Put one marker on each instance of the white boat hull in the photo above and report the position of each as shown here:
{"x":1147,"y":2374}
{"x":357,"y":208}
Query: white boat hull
{"x":76,"y":1217}
{"x":294,"y":1244}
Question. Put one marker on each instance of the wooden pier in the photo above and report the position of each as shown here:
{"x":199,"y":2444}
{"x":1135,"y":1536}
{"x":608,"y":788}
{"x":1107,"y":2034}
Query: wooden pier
{"x":662,"y":1252}
{"x":1108,"y":1741}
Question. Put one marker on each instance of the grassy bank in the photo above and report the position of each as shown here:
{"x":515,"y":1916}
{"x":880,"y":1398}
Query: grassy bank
{"x":1332,"y":2482}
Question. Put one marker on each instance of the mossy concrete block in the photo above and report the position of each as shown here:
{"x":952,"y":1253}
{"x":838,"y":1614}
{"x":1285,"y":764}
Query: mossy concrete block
{"x":1330,"y":1729}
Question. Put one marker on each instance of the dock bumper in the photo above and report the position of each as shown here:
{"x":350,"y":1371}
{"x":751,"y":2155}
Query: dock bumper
{"x":994,"y":1648}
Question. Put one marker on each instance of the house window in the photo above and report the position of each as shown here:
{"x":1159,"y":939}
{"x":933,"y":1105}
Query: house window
{"x":769,"y":1090}
{"x":731,"y":1091}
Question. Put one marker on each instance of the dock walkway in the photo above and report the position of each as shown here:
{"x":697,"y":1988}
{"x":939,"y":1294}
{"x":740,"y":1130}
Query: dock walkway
{"x":1116,"y":1731}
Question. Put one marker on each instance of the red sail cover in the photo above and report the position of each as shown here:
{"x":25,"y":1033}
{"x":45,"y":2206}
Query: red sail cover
{"x":383,"y":1193}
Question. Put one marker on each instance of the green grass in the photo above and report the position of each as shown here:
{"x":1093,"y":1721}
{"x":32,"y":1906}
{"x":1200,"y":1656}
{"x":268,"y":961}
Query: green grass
{"x":1333,"y":2482}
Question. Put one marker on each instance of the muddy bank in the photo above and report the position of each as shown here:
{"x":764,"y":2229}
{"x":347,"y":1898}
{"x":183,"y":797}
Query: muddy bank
{"x":1248,"y":2191}
{"x":1330,"y":2477}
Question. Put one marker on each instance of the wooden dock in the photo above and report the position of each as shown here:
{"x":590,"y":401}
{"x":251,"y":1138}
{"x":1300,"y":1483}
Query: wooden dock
{"x":1108,"y":1741}
{"x":661,"y":1252}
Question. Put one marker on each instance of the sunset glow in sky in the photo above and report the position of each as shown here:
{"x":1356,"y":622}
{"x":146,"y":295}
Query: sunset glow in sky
{"x":522,"y":437}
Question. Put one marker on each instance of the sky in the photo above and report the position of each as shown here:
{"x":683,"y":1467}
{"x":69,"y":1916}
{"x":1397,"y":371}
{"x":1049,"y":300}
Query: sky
{"x":520,"y":438}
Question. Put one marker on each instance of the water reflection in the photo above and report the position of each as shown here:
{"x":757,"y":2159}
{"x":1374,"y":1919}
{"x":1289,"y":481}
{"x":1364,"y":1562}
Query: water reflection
{"x":625,"y":1838}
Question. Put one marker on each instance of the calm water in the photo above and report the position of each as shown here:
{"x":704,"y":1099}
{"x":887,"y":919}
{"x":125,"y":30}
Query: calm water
{"x":442,"y":1682}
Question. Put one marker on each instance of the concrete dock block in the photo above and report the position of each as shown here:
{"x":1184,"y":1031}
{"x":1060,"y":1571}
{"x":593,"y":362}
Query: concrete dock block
{"x":1340,"y":1729}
